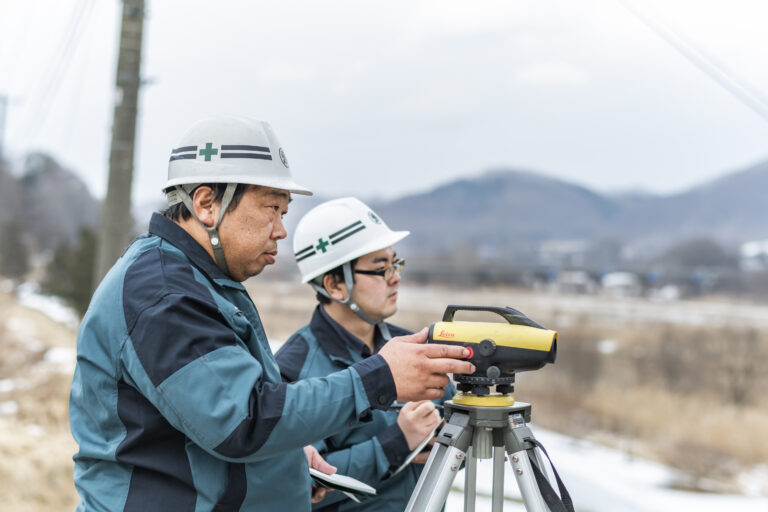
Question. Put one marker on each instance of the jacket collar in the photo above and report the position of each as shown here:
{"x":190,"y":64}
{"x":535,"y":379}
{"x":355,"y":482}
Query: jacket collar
{"x":340,"y":344}
{"x":168,"y":230}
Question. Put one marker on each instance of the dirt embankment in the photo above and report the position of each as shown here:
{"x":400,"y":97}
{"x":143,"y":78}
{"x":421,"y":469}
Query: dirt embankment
{"x":37,"y":357}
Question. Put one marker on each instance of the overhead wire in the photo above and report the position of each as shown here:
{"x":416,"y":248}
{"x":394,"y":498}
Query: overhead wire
{"x":51,"y":84}
{"x":751,"y":99}
{"x":75,"y":101}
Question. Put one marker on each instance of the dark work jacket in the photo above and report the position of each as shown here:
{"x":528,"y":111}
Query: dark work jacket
{"x":367,"y":452}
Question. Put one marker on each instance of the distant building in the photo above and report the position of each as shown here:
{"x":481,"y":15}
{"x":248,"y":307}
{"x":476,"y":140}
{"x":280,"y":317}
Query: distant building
{"x":668,"y":292}
{"x":621,"y":284}
{"x":574,"y":281}
{"x":753,"y":256}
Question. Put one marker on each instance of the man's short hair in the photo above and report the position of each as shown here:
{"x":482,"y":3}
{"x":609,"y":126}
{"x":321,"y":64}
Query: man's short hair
{"x":180,"y":211}
{"x":338,"y":273}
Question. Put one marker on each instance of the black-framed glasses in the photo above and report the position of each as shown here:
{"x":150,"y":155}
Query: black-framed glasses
{"x":387,"y":272}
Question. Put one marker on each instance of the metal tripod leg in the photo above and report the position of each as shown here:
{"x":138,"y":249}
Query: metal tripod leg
{"x":442,"y":465}
{"x":481,"y":432}
{"x":520,"y":453}
{"x":497,"y":496}
{"x":470,"y":481}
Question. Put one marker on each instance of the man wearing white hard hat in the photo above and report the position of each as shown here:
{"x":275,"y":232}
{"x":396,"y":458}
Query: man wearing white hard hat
{"x":177,"y":402}
{"x":345,"y":251}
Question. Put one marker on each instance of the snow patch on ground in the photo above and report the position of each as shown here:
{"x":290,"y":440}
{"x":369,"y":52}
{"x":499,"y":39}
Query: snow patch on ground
{"x":35,"y":430}
{"x":29,"y":296}
{"x":62,"y":357}
{"x":601,"y":479}
{"x":8,"y":408}
{"x":7,"y":385}
{"x":755,"y":481}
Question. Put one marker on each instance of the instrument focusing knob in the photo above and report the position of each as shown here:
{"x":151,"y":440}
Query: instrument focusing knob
{"x":486,"y":347}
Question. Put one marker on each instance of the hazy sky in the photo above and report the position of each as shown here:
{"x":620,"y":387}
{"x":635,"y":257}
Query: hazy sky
{"x":385,"y":98}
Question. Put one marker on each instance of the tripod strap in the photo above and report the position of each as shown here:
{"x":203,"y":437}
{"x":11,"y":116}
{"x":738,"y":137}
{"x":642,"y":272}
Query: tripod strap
{"x":562,"y":503}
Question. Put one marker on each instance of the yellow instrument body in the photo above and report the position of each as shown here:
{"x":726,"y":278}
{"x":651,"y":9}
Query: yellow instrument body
{"x":504,"y":335}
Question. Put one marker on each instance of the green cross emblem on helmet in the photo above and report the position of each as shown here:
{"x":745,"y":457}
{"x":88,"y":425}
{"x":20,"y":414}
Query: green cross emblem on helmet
{"x":208,"y":151}
{"x":321,"y":245}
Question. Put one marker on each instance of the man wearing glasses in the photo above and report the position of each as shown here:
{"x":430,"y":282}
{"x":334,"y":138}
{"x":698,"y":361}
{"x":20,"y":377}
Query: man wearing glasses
{"x":345,"y":252}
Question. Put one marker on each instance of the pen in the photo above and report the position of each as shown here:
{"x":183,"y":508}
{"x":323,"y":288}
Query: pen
{"x":399,"y":405}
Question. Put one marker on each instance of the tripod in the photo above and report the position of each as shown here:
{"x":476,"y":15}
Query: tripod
{"x":476,"y":432}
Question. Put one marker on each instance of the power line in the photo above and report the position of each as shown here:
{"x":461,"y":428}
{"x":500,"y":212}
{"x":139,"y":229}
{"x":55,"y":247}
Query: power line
{"x":51,"y":84}
{"x":753,"y":100}
{"x":74,"y":102}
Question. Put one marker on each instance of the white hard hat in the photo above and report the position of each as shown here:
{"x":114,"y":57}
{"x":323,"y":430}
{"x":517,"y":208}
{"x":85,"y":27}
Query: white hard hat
{"x":230,"y":149}
{"x":336,"y":232}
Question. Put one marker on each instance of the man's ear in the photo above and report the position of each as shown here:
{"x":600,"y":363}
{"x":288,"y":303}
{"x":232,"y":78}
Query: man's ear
{"x":206,"y":209}
{"x":335,"y":287}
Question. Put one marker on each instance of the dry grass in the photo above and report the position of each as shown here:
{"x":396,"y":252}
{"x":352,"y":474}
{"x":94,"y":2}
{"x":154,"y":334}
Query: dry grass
{"x":668,"y":389}
{"x":664,"y":419}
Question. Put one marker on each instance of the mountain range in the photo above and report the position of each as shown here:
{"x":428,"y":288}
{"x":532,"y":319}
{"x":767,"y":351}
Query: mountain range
{"x":508,"y":207}
{"x":500,"y":210}
{"x":508,"y":210}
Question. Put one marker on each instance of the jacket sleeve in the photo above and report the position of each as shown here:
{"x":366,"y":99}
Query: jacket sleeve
{"x":193,"y":367}
{"x":371,"y":460}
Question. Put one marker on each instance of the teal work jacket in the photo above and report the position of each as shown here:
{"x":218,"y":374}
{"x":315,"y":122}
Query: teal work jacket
{"x":177,"y":403}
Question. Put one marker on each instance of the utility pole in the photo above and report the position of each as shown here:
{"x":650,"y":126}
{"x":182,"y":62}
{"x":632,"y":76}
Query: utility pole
{"x":116,"y":221}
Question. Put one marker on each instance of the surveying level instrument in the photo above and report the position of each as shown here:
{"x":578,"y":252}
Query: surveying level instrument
{"x":484,"y":424}
{"x":498,"y":351}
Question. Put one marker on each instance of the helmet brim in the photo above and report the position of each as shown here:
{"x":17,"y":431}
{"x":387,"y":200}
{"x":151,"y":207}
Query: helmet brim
{"x":278,"y":183}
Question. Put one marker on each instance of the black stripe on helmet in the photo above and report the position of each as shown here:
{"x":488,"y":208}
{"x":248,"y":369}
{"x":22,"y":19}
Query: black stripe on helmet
{"x":337,"y":240}
{"x":243,"y":147}
{"x":184,"y":149}
{"x":259,"y":156}
{"x":307,"y":248}
{"x":302,"y":258}
{"x":183,"y":157}
{"x":344,"y":229}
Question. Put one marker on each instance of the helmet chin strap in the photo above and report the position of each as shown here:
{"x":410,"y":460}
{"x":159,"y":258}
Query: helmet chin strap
{"x":213,"y":232}
{"x":349,"y":280}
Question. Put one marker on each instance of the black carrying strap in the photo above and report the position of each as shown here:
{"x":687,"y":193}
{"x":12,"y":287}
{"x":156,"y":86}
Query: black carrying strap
{"x":562,"y":503}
